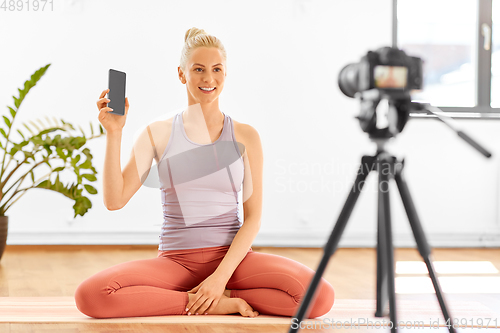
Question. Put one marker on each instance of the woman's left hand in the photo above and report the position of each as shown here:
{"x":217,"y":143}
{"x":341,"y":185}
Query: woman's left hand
{"x":208,"y":294}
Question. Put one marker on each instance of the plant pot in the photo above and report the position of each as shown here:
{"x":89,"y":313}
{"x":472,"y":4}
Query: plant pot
{"x":4,"y":226}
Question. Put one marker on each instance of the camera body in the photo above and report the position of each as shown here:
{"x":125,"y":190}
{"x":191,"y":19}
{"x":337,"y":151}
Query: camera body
{"x":382,"y":82}
{"x":387,"y":69}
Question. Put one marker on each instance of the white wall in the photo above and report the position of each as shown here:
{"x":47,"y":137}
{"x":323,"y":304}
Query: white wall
{"x":283,"y":62}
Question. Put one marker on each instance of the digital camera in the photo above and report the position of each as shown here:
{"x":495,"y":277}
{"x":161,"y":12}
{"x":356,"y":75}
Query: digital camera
{"x":387,"y":69}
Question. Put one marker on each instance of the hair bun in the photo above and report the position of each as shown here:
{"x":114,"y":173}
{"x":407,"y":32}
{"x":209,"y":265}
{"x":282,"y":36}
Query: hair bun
{"x":193,"y":32}
{"x":195,"y":38}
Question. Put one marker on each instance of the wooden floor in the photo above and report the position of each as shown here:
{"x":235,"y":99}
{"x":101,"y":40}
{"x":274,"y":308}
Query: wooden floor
{"x":56,"y":270}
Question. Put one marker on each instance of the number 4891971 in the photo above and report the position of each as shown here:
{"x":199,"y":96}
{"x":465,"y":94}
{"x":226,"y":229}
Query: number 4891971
{"x":27,"y":5}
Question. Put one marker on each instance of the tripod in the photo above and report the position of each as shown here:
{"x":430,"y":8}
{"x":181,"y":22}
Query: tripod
{"x":387,"y":167}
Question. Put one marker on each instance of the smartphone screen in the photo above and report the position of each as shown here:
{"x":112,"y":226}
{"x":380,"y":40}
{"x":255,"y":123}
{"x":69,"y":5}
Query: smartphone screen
{"x":116,"y":93}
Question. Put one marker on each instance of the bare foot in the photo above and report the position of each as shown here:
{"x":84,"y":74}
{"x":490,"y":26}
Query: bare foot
{"x":228,"y":305}
{"x":246,"y":310}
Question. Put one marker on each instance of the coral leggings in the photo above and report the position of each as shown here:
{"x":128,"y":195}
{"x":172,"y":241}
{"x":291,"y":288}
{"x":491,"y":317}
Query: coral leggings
{"x":270,"y":284}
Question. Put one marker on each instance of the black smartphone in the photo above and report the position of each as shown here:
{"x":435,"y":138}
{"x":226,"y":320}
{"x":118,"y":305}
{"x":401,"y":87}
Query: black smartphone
{"x":116,"y":93}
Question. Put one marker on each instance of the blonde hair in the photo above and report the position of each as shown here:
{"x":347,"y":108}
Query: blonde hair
{"x":194,"y":38}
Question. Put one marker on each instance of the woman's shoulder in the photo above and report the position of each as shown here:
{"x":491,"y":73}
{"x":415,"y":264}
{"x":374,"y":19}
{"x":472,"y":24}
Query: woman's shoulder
{"x":244,"y":132}
{"x":249,"y":137}
{"x":160,"y":131}
{"x":162,"y":124}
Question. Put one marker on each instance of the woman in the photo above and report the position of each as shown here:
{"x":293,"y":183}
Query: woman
{"x":205,"y":264}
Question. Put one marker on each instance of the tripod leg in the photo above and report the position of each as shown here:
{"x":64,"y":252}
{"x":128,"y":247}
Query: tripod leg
{"x":367,"y":165}
{"x":418,"y":232}
{"x":385,"y":167}
{"x":382,"y":287}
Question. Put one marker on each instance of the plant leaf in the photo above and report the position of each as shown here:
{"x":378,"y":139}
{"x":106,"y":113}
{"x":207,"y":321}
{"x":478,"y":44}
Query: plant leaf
{"x":82,"y":205}
{"x":34,"y":125}
{"x":12,"y":112}
{"x":75,"y":160}
{"x":86,"y":165}
{"x":41,"y":123}
{"x":35,"y":77}
{"x":7,"y":121}
{"x":81,"y":130}
{"x":29,"y":129}
{"x":60,"y":153}
{"x":50,"y":122}
{"x":89,"y":176}
{"x":90,"y":189}
{"x":19,"y":131}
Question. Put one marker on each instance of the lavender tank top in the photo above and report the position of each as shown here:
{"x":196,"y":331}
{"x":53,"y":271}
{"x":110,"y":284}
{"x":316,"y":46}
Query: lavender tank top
{"x":200,"y":185}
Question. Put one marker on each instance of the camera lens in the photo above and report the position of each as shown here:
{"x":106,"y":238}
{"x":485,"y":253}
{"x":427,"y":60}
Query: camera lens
{"x":348,"y":80}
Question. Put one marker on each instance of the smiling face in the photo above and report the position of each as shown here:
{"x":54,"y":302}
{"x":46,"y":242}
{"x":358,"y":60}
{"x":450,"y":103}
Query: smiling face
{"x":205,"y":69}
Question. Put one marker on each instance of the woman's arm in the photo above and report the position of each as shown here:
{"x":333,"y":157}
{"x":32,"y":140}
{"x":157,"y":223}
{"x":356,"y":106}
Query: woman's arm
{"x":120,"y":186}
{"x":252,"y":204}
{"x":112,"y":174}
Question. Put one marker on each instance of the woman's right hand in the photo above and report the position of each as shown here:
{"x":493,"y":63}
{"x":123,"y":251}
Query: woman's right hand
{"x":111,"y":122}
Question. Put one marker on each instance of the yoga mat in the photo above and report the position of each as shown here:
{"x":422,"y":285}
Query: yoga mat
{"x":345,"y":312}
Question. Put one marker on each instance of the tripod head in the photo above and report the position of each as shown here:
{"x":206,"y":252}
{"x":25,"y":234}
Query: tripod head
{"x":383,"y":116}
{"x":382,"y":81}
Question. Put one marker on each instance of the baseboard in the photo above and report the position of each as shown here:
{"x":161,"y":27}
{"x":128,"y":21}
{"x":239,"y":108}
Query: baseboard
{"x":273,"y":239}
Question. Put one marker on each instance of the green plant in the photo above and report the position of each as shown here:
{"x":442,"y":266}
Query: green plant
{"x":44,"y":148}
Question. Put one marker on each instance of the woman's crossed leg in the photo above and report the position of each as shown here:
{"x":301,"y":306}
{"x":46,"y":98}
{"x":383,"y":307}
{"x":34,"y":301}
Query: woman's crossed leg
{"x":275,"y":285}
{"x":148,"y":287}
